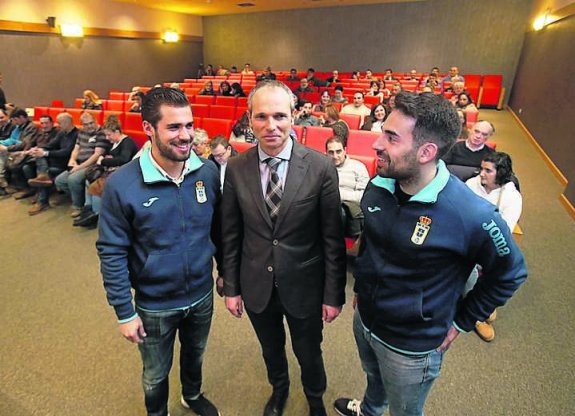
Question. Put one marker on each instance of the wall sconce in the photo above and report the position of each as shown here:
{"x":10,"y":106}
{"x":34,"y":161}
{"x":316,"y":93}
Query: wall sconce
{"x":170,"y":36}
{"x":71,"y":30}
{"x":542,"y":20}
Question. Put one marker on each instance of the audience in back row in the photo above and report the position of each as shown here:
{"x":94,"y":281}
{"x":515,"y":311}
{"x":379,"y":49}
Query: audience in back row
{"x":91,"y":101}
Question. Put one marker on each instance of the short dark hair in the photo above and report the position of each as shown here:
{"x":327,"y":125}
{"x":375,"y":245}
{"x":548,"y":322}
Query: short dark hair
{"x":48,"y":116}
{"x":310,"y":70}
{"x":338,"y":88}
{"x":18,"y":112}
{"x":436,"y":120}
{"x":503,"y":166}
{"x":217,"y":140}
{"x":335,"y":139}
{"x":156,"y":97}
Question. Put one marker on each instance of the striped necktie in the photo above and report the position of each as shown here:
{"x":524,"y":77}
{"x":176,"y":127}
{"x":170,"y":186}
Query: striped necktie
{"x":274,"y":189}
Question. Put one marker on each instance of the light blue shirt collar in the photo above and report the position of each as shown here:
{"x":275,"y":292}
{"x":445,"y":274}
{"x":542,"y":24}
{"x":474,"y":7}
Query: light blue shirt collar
{"x":153,"y":174}
{"x":285,"y":154}
{"x":429,"y":193}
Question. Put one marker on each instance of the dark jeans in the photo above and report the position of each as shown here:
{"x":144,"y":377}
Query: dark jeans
{"x":157,"y":350}
{"x":306,"y":336}
{"x":29,"y":171}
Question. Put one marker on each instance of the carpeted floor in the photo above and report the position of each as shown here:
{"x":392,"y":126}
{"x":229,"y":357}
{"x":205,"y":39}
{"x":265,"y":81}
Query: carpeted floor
{"x":61,"y":353}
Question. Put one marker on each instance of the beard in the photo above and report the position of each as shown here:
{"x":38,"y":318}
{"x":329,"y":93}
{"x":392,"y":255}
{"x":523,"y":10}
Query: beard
{"x":168,"y":151}
{"x":404,"y":169}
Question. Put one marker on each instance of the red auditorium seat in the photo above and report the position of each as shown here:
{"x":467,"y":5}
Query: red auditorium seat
{"x":491,"y":90}
{"x":198,"y":121}
{"x":242,"y":146}
{"x":133,"y":121}
{"x":215,"y":126}
{"x":201,"y":110}
{"x":240,"y":112}
{"x":359,"y":142}
{"x":337,"y":105}
{"x":371,"y":101}
{"x":38,"y":111}
{"x":116,"y":95}
{"x":116,"y":105}
{"x":75,"y":113}
{"x":57,"y":103}
{"x":352,"y":120}
{"x":472,"y":84}
{"x":370,"y":163}
{"x":139,"y":137}
{"x":471,"y":117}
{"x":222,"y":111}
{"x":77,"y":103}
{"x":298,"y":132}
{"x":205,"y":99}
{"x":242,"y":101}
{"x":315,"y":137}
{"x":229,"y":101}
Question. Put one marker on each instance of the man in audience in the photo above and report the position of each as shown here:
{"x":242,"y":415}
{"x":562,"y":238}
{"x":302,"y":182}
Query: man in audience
{"x":369,"y":75}
{"x":388,"y":76}
{"x":91,"y":143}
{"x":221,"y":151}
{"x":396,"y":88}
{"x":334,"y":77}
{"x":338,"y":96}
{"x":284,"y":254}
{"x":157,"y":240}
{"x":24,"y":132}
{"x":412,"y":75}
{"x":464,"y":158}
{"x":247,"y":70}
{"x":292,"y":75}
{"x":201,"y":143}
{"x":453,"y":73}
{"x":305,"y":117}
{"x":51,"y":159}
{"x":353,"y":178}
{"x":423,"y":234}
{"x":304,"y":87}
{"x":358,"y":107}
{"x":267,"y":74}
{"x":5,"y":126}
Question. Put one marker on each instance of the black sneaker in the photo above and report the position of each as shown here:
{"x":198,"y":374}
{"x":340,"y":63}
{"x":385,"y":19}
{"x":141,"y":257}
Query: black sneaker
{"x":348,"y":407}
{"x":201,"y":406}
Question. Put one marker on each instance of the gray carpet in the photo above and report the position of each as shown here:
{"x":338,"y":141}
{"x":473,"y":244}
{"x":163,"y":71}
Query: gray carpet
{"x":61,"y":353}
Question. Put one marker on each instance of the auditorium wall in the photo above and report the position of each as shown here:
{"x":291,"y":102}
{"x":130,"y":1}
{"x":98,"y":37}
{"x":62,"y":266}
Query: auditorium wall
{"x":481,"y":37}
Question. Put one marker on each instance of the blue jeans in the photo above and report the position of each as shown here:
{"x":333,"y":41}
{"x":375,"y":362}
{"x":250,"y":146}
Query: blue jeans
{"x":73,"y":184}
{"x":157,"y":350}
{"x":93,"y":201}
{"x":399,"y":381}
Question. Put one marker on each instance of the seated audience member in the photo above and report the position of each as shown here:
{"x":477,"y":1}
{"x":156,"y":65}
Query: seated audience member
{"x":222,"y":71}
{"x":201,"y":143}
{"x":242,"y":130}
{"x":174,"y":85}
{"x":305,"y":117}
{"x":374,"y":122}
{"x":331,"y":119}
{"x":356,"y":75}
{"x":358,"y":107}
{"x":207,"y":89}
{"x":122,"y":151}
{"x":388,"y":76}
{"x":353,"y":178}
{"x":456,"y":88}
{"x":303,"y":88}
{"x":2,"y":95}
{"x":464,"y":130}
{"x":334,"y":77}
{"x":5,"y":126}
{"x":465,"y":102}
{"x":312,"y":79}
{"x":453,"y":76}
{"x":267,"y":74}
{"x":292,"y":75}
{"x":432,"y":81}
{"x":234,"y":70}
{"x":210,"y":70}
{"x":134,"y":90}
{"x":136,"y":106}
{"x":374,"y":91}
{"x":464,"y":158}
{"x":369,"y":76}
{"x":201,"y":71}
{"x":21,"y":173}
{"x":396,"y":89}
{"x":247,"y":70}
{"x":225,"y":89}
{"x":90,"y":145}
{"x":237,"y":90}
{"x":91,"y":101}
{"x":23,"y":134}
{"x":51,"y":160}
{"x":324,"y":101}
{"x":412,"y":76}
{"x":338,"y":96}
{"x":221,"y":153}
{"x":495,"y":184}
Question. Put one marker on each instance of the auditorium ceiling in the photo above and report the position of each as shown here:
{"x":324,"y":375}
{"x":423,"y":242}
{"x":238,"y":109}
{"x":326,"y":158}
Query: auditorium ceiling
{"x":223,"y":7}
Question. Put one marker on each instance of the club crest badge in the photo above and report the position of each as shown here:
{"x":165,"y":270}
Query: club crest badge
{"x":421,"y":229}
{"x":201,"y":196}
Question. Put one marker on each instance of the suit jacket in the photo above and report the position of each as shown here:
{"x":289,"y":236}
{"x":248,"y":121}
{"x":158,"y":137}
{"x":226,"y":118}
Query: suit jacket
{"x":303,"y":254}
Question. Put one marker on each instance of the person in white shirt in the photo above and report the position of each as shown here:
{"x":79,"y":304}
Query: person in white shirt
{"x":358,"y":107}
{"x":221,"y":152}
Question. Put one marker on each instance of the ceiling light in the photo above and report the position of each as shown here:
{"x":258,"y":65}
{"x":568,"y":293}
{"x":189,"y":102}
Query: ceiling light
{"x":70,"y":30}
{"x":170,"y":36}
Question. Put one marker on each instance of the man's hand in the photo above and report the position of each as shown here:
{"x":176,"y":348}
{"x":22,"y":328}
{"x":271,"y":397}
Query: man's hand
{"x":220,"y":286}
{"x":451,"y":335}
{"x":133,"y":331}
{"x":36,"y":152}
{"x":329,"y":313}
{"x":235,"y":305}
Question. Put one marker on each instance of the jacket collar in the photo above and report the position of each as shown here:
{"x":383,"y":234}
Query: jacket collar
{"x":428,"y":194}
{"x":152,"y":174}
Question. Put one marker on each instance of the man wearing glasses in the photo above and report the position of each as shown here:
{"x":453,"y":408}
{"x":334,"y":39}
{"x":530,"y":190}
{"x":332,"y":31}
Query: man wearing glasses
{"x":357,"y":107}
{"x":90,"y":145}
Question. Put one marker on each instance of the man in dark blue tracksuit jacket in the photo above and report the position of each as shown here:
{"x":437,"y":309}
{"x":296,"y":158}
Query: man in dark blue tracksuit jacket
{"x":424,"y":232}
{"x":158,"y":233}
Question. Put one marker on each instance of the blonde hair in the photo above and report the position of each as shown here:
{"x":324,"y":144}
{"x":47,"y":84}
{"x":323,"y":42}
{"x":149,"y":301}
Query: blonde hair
{"x":93,"y":97}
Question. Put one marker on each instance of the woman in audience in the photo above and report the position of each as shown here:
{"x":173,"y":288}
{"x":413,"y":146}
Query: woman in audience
{"x":465,"y":103}
{"x":331,"y":119}
{"x":324,"y":101}
{"x":225,"y":89}
{"x":495,"y":183}
{"x":356,"y":75}
{"x":374,"y":90}
{"x":237,"y":90}
{"x":123,"y":150}
{"x":207,"y":89}
{"x":338,"y":96}
{"x":91,"y":101}
{"x":464,"y":131}
{"x":242,"y":132}
{"x":374,"y":121}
